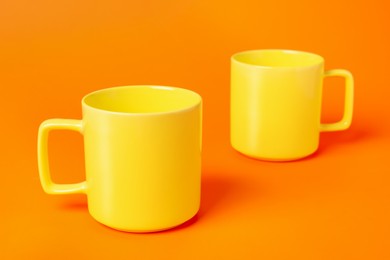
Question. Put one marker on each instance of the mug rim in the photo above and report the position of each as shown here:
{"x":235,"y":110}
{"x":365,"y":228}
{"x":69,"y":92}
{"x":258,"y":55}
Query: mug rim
{"x":285,"y":51}
{"x":198,"y":101}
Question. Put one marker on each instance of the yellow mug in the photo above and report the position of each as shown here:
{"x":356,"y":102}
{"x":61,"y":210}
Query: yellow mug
{"x":142,"y":156}
{"x":275,"y":105}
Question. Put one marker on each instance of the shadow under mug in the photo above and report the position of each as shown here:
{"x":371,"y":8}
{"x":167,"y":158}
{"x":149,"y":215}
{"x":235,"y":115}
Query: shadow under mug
{"x":276,"y":103}
{"x":142,"y":156}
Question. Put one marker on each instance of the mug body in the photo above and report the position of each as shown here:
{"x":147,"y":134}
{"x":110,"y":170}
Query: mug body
{"x":276,"y":103}
{"x":142,"y":156}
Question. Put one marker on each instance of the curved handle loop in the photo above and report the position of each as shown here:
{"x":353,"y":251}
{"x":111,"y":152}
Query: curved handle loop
{"x":43,"y":161}
{"x":346,"y":120}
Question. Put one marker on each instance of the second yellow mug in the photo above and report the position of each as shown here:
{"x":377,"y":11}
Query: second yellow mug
{"x":276,"y":103}
{"x":142,"y":156}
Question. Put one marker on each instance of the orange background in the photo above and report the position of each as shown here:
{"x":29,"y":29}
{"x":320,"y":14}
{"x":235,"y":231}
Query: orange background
{"x":332,"y":205}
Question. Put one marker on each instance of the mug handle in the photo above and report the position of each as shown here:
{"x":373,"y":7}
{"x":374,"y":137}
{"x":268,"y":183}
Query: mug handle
{"x":43,"y":161}
{"x":346,"y":120}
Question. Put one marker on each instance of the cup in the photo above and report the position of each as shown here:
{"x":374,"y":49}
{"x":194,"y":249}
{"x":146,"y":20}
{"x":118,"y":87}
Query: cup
{"x":276,"y":103}
{"x":142,"y":156}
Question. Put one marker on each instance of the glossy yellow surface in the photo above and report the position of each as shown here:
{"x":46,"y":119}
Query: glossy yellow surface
{"x":142,"y":156}
{"x":276,"y":103}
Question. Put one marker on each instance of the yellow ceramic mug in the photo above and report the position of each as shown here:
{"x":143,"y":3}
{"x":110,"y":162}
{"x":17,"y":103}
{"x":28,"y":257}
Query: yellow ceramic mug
{"x":276,"y":103}
{"x":142,"y":156}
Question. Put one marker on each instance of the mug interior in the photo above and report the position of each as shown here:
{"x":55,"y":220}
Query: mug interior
{"x":142,"y":99}
{"x":277,"y":58}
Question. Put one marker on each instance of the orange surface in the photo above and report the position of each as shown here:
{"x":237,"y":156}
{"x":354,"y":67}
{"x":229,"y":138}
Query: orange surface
{"x":332,"y":205}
